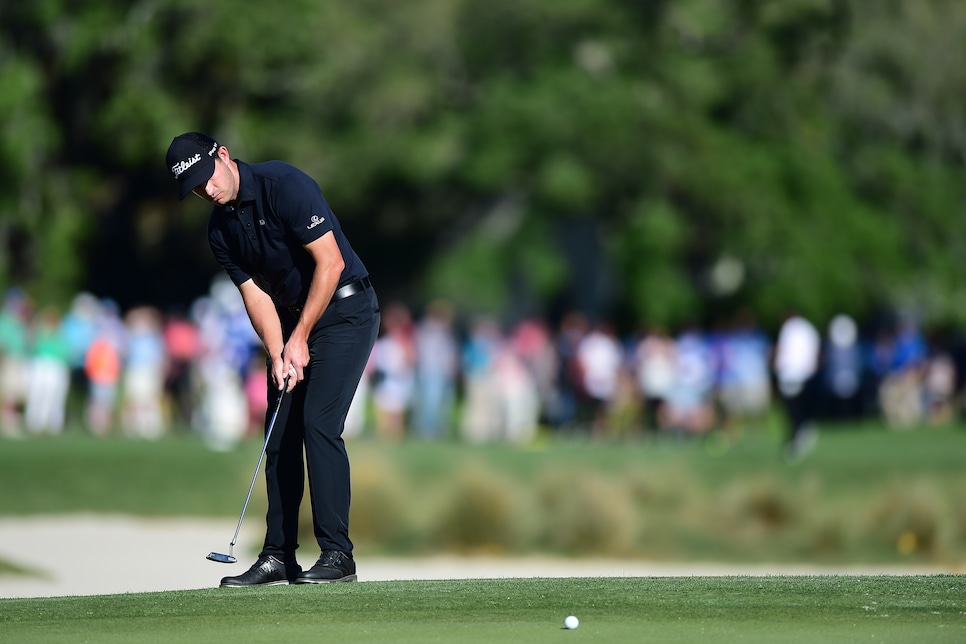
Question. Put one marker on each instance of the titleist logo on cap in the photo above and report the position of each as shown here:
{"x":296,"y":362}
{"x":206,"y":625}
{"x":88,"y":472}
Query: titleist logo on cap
{"x":178,"y":168}
{"x":181,"y":166}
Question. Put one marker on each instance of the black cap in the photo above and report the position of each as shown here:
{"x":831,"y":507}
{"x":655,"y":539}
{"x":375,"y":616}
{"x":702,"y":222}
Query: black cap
{"x":191,"y":160}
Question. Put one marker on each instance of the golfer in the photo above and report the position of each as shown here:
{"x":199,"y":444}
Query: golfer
{"x":310,"y":301}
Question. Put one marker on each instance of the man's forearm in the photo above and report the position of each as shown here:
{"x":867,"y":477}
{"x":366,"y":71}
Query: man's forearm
{"x":264,"y":318}
{"x":325,"y":279}
{"x":320,"y":294}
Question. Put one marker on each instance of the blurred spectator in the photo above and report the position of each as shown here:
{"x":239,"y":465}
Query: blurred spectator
{"x":14,"y":320}
{"x":505,"y":385}
{"x":599,"y":357}
{"x":480,"y":421}
{"x":437,"y":364}
{"x":796,"y":363}
{"x":48,"y":379}
{"x":572,"y":329}
{"x":234,"y":340}
{"x":939,"y":386}
{"x":744,"y":377}
{"x":624,"y":408}
{"x":225,"y":346}
{"x":689,"y":410}
{"x":182,"y":345}
{"x":518,"y":403}
{"x":355,"y":420}
{"x":842,"y":368}
{"x":102,"y":368}
{"x":80,"y":329}
{"x":221,"y":416}
{"x":256,"y":393}
{"x":655,"y":364}
{"x":532,"y":343}
{"x":143,"y":375}
{"x":394,"y":354}
{"x":900,"y":395}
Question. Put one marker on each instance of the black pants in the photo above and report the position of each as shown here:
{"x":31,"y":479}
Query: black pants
{"x":312,"y":418}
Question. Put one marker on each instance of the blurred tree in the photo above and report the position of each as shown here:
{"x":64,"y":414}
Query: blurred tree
{"x":672,"y":160}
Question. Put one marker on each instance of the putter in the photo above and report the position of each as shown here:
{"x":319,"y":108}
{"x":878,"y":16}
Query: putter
{"x":230,"y":557}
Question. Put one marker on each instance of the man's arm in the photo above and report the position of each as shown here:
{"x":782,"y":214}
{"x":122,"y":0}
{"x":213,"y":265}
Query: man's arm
{"x":264,"y":317}
{"x":325,"y":279}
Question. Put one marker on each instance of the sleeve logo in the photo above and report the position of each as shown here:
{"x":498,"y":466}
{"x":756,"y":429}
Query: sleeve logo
{"x":316,"y":220}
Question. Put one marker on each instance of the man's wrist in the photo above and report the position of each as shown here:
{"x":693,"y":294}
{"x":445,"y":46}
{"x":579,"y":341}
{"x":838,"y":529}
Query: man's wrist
{"x":299,"y":334}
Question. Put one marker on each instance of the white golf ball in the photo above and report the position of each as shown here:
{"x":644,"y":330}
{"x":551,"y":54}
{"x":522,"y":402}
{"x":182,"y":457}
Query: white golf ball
{"x":571,"y":622}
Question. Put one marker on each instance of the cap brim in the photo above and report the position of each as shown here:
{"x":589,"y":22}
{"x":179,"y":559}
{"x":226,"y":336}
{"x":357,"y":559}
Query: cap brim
{"x":195,"y":176}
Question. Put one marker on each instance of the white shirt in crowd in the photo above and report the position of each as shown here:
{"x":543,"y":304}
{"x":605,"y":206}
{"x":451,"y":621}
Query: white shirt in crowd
{"x":796,"y":354}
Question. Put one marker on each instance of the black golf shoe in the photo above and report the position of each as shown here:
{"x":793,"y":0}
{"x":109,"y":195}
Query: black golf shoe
{"x":266,"y":571}
{"x":332,"y":566}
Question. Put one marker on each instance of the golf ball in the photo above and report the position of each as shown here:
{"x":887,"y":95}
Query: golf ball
{"x":571,"y":622}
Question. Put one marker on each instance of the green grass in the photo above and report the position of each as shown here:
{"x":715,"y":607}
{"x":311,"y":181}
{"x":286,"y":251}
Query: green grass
{"x":76,"y":472}
{"x":176,"y":476}
{"x":865,"y":495}
{"x":730,"y":500}
{"x":694,"y":609}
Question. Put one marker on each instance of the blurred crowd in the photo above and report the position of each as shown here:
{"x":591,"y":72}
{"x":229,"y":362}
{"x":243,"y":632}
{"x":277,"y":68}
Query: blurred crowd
{"x":434,"y":375}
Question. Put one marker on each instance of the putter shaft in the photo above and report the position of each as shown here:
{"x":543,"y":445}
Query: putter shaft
{"x":230,"y":557}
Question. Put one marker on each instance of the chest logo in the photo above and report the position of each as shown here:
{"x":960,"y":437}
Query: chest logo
{"x":316,"y":220}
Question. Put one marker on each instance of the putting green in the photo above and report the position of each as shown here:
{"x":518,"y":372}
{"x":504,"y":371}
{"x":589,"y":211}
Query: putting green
{"x":683,"y":609}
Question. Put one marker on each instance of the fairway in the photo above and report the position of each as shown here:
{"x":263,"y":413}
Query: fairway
{"x":688,"y":609}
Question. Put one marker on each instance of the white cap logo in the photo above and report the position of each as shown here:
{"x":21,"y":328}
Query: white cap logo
{"x":178,"y":168}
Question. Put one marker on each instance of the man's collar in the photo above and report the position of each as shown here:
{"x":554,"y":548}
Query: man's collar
{"x":246,"y":183}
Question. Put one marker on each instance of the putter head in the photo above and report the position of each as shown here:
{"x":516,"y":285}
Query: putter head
{"x":220,"y":558}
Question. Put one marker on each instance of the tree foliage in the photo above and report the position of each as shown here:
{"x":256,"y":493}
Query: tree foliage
{"x":665,"y":160}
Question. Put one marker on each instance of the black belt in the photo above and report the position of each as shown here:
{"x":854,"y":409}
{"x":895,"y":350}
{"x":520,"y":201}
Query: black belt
{"x":350,"y":289}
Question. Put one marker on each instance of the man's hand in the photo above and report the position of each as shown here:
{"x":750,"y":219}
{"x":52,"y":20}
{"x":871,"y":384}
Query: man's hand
{"x":292,"y":362}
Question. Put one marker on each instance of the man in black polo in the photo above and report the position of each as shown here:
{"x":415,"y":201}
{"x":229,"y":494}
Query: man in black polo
{"x":309,"y":299}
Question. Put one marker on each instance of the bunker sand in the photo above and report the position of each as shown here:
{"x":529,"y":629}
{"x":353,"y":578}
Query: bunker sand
{"x":106,"y":555}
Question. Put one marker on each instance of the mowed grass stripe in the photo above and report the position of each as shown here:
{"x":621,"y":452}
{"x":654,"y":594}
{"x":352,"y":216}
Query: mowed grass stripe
{"x":747,"y":609}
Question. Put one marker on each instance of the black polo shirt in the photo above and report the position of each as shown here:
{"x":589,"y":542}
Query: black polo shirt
{"x":262,"y":235}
